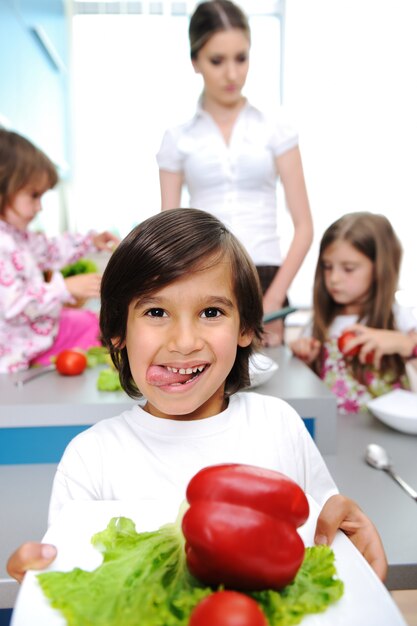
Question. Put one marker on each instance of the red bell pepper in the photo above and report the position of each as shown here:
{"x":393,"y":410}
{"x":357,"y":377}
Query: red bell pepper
{"x":241,"y":527}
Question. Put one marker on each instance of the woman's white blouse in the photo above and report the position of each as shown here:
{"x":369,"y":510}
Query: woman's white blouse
{"x":236,"y":182}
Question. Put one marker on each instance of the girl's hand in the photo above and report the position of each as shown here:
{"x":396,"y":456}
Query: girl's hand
{"x":341,"y":512}
{"x":306,"y":348}
{"x":84,"y":285}
{"x":30,"y":555}
{"x":380,"y":342}
{"x":106,"y":241}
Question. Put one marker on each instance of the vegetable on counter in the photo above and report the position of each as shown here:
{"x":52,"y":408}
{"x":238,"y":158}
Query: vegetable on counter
{"x":241,"y":527}
{"x":71,"y":362}
{"x":108,"y":380}
{"x":98,"y":355}
{"x":82,"y":266}
{"x":227,"y":608}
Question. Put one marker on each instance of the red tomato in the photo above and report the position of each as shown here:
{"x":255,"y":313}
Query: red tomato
{"x":227,"y":608}
{"x":344,"y":339}
{"x":71,"y":362}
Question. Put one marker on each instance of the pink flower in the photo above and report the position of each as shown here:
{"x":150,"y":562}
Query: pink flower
{"x":340,"y":388}
{"x":350,"y":406}
{"x":17,"y":260}
{"x":43,"y":326}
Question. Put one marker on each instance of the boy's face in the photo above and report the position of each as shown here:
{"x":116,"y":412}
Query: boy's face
{"x":182,"y":342}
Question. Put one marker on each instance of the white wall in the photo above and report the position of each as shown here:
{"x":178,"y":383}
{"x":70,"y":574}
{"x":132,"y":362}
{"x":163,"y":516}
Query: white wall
{"x":349,"y":84}
{"x":132,"y":79}
{"x":350,"y":81}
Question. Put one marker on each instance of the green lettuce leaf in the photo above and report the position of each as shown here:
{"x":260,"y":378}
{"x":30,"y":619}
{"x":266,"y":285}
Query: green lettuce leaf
{"x":97,"y":355}
{"x":82,"y":266}
{"x":108,"y":380}
{"x":143,"y":579}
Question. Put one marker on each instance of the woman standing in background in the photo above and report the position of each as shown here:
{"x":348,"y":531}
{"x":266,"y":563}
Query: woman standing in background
{"x":230,"y":155}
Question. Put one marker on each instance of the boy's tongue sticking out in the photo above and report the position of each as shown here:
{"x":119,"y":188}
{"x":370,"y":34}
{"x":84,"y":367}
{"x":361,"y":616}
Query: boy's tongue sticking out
{"x":159,"y":375}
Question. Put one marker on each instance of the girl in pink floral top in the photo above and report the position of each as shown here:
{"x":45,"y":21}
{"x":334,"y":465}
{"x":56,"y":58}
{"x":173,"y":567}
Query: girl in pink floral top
{"x":34,"y":322}
{"x":354,"y":290}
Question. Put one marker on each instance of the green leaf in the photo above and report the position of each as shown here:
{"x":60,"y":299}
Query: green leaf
{"x":108,"y":380}
{"x":82,"y":266}
{"x":98,"y":355}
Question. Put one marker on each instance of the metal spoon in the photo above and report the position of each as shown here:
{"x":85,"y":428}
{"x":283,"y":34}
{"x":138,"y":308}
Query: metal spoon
{"x":377,"y":457}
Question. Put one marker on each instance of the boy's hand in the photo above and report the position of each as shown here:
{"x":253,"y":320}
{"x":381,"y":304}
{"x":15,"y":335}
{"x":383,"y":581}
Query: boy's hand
{"x":30,"y":555}
{"x":306,"y":348}
{"x":341,"y":512}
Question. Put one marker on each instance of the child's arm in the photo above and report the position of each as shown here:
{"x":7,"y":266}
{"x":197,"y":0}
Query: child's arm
{"x":342,"y":513}
{"x":30,"y":555}
{"x":305,"y":348}
{"x":53,"y":253}
{"x":381,"y":342}
{"x":106,"y":241}
{"x":83,"y":286}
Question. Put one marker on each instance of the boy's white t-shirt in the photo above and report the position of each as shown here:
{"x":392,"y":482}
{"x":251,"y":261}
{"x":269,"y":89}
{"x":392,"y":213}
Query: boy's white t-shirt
{"x":136,"y":456}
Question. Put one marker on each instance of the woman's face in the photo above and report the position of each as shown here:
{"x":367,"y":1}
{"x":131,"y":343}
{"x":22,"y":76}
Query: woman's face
{"x":223,"y":63}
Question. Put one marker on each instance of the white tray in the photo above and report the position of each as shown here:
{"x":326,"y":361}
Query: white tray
{"x":365,"y":601}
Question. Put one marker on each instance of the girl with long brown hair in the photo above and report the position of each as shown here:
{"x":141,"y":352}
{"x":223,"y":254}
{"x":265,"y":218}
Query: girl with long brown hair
{"x":354,"y":291}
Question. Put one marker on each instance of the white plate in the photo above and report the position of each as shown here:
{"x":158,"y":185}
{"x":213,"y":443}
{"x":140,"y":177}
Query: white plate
{"x":397,"y":409}
{"x":261,"y":368}
{"x":365,"y":601}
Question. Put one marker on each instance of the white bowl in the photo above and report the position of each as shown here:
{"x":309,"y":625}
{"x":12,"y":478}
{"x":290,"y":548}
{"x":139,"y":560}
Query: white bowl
{"x":261,"y":368}
{"x":397,"y":409}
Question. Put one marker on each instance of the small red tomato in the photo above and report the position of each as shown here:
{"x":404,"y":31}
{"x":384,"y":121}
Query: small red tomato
{"x":227,"y":608}
{"x":344,"y":339}
{"x":71,"y":362}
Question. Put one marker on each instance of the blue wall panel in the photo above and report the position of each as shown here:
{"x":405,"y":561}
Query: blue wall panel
{"x":43,"y":444}
{"x":34,"y":91}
